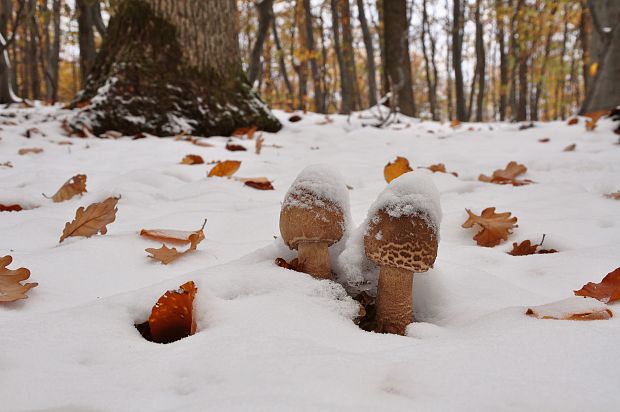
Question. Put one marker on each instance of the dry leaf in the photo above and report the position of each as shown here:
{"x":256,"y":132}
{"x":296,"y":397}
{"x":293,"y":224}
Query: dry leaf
{"x":440,"y":168}
{"x":172,"y":317}
{"x":164,"y":254}
{"x":182,"y":237}
{"x":507,"y":175}
{"x":92,"y":220}
{"x":593,"y":118}
{"x":259,"y":144}
{"x":570,"y":148}
{"x":10,"y":208}
{"x":199,"y":142}
{"x":495,"y":226}
{"x":454,"y":123}
{"x":544,"y":140}
{"x":593,"y":69}
{"x":608,"y":290}
{"x":72,"y":187}
{"x":294,"y":118}
{"x":573,"y":308}
{"x":33,"y":150}
{"x":292,"y":265}
{"x":225,"y":168}
{"x":259,"y":184}
{"x":398,"y":167}
{"x":235,"y":147}
{"x":64,"y":143}
{"x":573,"y":121}
{"x":327,"y":120}
{"x":11,"y":288}
{"x":243,"y":131}
{"x":192,"y":159}
{"x":527,"y":248}
{"x":6,"y":164}
{"x":614,"y":196}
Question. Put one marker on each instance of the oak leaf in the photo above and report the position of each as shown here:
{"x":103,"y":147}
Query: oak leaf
{"x":573,"y":121}
{"x":33,"y":150}
{"x":11,"y":288}
{"x":192,"y":159}
{"x":614,"y":195}
{"x":182,"y":237}
{"x":573,"y":308}
{"x":527,"y":248}
{"x":454,"y":123}
{"x":225,"y":168}
{"x":608,"y":290}
{"x":294,"y":118}
{"x":172,"y":317}
{"x":164,"y":254}
{"x":167,"y":255}
{"x":10,"y":208}
{"x":235,"y":147}
{"x":92,"y":220}
{"x":440,"y":168}
{"x":245,"y":131}
{"x":260,"y":183}
{"x":570,"y":148}
{"x":495,"y":226}
{"x":544,"y":140}
{"x":292,"y":265}
{"x":593,"y":118}
{"x":507,"y":175}
{"x":396,"y":168}
{"x":72,"y":187}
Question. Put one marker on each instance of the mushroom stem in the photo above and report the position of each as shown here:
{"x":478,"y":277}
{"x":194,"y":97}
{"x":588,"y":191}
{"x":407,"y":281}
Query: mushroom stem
{"x":314,"y":259}
{"x":394,"y":300}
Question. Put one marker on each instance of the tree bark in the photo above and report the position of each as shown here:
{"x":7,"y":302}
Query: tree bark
{"x":370,"y":55}
{"x":86,"y":39}
{"x":265,"y":16}
{"x":345,"y":89}
{"x":347,"y":52}
{"x":480,"y":63}
{"x":35,"y":81}
{"x":397,"y":61}
{"x":7,"y":95}
{"x":319,"y":102}
{"x":431,"y":80}
{"x":503,"y":58}
{"x":171,"y":66}
{"x":457,"y":58}
{"x":281,"y":63}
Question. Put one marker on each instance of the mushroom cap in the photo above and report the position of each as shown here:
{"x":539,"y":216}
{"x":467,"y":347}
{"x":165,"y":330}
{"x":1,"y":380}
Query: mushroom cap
{"x":308,"y":218}
{"x":407,"y":242}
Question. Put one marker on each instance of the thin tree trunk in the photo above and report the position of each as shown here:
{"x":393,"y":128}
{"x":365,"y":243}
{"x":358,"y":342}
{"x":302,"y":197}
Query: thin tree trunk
{"x":314,"y":67}
{"x":480,"y":63}
{"x":265,"y":15}
{"x":300,"y":66}
{"x":543,"y":66}
{"x":431,"y":81}
{"x":503,"y":58}
{"x":86,"y":38}
{"x":457,"y":58}
{"x":281,"y":63}
{"x":448,"y":28}
{"x":347,"y":52}
{"x":346,"y":104}
{"x":370,"y":55}
{"x":35,"y":83}
{"x":585,"y":28}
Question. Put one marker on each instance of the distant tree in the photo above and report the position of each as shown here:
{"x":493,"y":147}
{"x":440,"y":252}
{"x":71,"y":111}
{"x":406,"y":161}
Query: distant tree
{"x":370,"y":54}
{"x":457,"y":58}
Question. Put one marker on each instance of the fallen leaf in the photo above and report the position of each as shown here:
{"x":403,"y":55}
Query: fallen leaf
{"x":199,"y":142}
{"x":33,"y":131}
{"x":573,"y":308}
{"x":6,"y":164}
{"x":544,"y":140}
{"x":366,"y":317}
{"x":614,"y":195}
{"x":113,"y":134}
{"x":440,"y":168}
{"x":593,"y":118}
{"x":507,"y":175}
{"x":64,"y":143}
{"x":495,"y":226}
{"x":225,"y":168}
{"x":235,"y":147}
{"x":527,"y":248}
{"x":593,"y":69}
{"x":259,"y":144}
{"x":192,"y":159}
{"x":570,"y":148}
{"x":138,"y":136}
{"x":327,"y":120}
{"x":11,"y":288}
{"x":526,"y":126}
{"x":164,"y":254}
{"x":245,"y":131}
{"x":608,"y":290}
{"x":292,"y":265}
{"x":92,"y":220}
{"x":396,"y":168}
{"x":182,"y":237}
{"x":26,"y":151}
{"x":10,"y":208}
{"x":573,"y":121}
{"x":72,"y":187}
{"x":454,"y":123}
{"x":294,"y":118}
{"x":172,"y":317}
{"x":259,"y":184}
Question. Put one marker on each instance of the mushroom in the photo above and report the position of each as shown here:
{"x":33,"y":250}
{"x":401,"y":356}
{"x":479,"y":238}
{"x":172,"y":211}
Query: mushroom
{"x":313,"y":218}
{"x":402,"y":238}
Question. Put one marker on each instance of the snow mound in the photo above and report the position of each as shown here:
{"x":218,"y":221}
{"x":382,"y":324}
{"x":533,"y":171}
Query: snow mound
{"x":568,"y":307}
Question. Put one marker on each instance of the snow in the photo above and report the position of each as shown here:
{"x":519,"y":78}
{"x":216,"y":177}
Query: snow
{"x":273,"y":339}
{"x":574,"y":305}
{"x":323,"y":182}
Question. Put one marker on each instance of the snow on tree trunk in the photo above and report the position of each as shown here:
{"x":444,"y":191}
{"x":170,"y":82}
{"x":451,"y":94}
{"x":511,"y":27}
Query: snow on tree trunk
{"x":171,"y":66}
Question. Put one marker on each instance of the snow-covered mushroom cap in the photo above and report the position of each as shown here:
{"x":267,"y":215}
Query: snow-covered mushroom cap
{"x":403,"y":224}
{"x":314,"y":207}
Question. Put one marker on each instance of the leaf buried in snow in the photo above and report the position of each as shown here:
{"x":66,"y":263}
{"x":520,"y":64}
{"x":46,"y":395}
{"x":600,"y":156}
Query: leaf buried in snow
{"x":92,"y":220}
{"x":526,"y":248}
{"x":11,"y":288}
{"x":182,"y":237}
{"x":30,"y":150}
{"x":245,"y":131}
{"x":608,"y":290}
{"x":260,"y":183}
{"x":235,"y":147}
{"x":192,"y":159}
{"x":167,"y":255}
{"x":10,"y":208}
{"x":574,"y":308}
{"x":292,"y":265}
{"x":614,"y":195}
{"x":172,"y":317}
{"x":225,"y":168}
{"x":440,"y":168}
{"x":72,"y":187}
{"x":593,"y":118}
{"x":396,"y":168}
{"x":495,"y":226}
{"x":544,"y":140}
{"x":507,"y":175}
{"x":570,"y":148}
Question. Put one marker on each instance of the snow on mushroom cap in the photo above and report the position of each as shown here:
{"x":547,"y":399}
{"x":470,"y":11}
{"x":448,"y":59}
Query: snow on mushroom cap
{"x":323,"y":182}
{"x":412,"y":193}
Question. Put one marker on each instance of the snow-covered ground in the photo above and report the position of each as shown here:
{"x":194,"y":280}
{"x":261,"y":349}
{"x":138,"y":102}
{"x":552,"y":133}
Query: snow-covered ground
{"x":274,"y":339}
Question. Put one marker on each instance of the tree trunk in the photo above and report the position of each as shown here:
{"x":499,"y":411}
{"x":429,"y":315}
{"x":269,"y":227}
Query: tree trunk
{"x":171,"y":66}
{"x":86,"y":39}
{"x":319,"y":102}
{"x":431,"y":81}
{"x":503,"y":58}
{"x":300,"y":65}
{"x":345,"y":90}
{"x":398,"y":64}
{"x":6,"y":74}
{"x":457,"y":59}
{"x":281,"y":63}
{"x":35,"y":82}
{"x":265,"y":15}
{"x":370,"y":55}
{"x":604,"y":92}
{"x":480,"y":63}
{"x":347,"y":52}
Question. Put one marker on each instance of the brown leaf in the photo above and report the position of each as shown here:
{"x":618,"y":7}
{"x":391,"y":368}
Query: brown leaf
{"x":259,"y":144}
{"x":544,"y":140}
{"x":495,"y":226}
{"x":11,"y":288}
{"x":614,"y":195}
{"x":192,"y":159}
{"x":294,"y":118}
{"x":507,"y":175}
{"x":396,"y":168}
{"x":10,"y":208}
{"x":527,"y":248}
{"x":366,"y":318}
{"x":225,"y":168}
{"x":64,"y":143}
{"x":573,"y":121}
{"x":6,"y":164}
{"x":164,"y":254}
{"x":201,"y":143}
{"x":608,"y":290}
{"x":235,"y":147}
{"x":33,"y":131}
{"x":33,"y":150}
{"x":243,"y":131}
{"x":455,"y":123}
{"x":327,"y":120}
{"x":172,"y":317}
{"x":440,"y":168}
{"x":92,"y":220}
{"x":182,"y":237}
{"x":593,"y":118}
{"x":570,"y":148}
{"x":72,"y":187}
{"x":571,"y":309}
{"x":292,"y":265}
{"x":260,"y":183}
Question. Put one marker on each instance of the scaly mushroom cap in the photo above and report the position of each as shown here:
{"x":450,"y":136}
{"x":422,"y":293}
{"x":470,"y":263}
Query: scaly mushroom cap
{"x":307,"y":218}
{"x":406,"y":242}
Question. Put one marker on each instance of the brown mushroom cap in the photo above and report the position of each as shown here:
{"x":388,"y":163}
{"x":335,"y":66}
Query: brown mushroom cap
{"x":308,"y":218}
{"x":407,"y":242}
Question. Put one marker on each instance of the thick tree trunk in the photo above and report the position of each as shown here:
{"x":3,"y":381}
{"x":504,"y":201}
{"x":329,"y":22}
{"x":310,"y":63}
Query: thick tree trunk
{"x":86,"y":39}
{"x":171,"y":66}
{"x":35,"y":81}
{"x":347,"y":52}
{"x":265,"y":15}
{"x":397,"y":61}
{"x":319,"y":102}
{"x":604,"y":92}
{"x":370,"y":55}
{"x":6,"y":75}
{"x":457,"y":59}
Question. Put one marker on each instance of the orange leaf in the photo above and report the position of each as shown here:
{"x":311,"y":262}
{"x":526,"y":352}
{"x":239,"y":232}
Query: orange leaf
{"x":11,"y":288}
{"x":175,"y":236}
{"x":243,"y":131}
{"x":570,"y":148}
{"x":398,"y":167}
{"x":593,"y":118}
{"x":440,"y":168}
{"x":526,"y":248}
{"x":292,"y":265}
{"x":92,"y":220}
{"x":10,"y":208}
{"x":571,"y":309}
{"x":614,"y":196}
{"x":593,"y":69}
{"x":235,"y":147}
{"x":172,"y":317}
{"x":260,"y":185}
{"x":192,"y":159}
{"x":507,"y":175}
{"x":72,"y":187}
{"x":608,"y":290}
{"x":454,"y":123}
{"x":225,"y":168}
{"x":26,"y":151}
{"x":198,"y":142}
{"x":164,"y":254}
{"x":495,"y":226}
{"x":573,"y":121}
